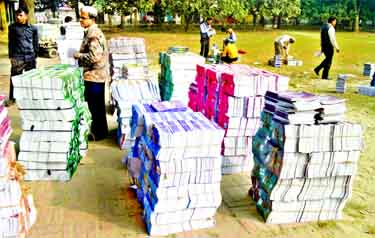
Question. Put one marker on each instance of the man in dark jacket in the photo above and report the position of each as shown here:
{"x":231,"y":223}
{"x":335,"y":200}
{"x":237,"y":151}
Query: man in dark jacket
{"x":328,"y":46}
{"x":22,"y":46}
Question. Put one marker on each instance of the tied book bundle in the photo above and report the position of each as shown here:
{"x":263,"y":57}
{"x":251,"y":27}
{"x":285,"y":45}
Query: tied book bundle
{"x":176,"y":167}
{"x":55,"y":121}
{"x":17,"y":210}
{"x":304,"y":166}
{"x":70,"y":43}
{"x":178,"y":71}
{"x":128,"y":58}
{"x":233,"y":96}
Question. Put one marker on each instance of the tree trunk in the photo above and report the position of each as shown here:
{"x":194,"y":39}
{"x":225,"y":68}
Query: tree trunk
{"x":356,"y":23}
{"x":187,"y":23}
{"x":109,"y":19}
{"x":30,"y":4}
{"x":100,"y":19}
{"x":278,"y":22}
{"x":254,"y":19}
{"x":76,"y":8}
{"x":123,"y":20}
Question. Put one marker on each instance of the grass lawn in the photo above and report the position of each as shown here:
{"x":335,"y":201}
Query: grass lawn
{"x":356,"y":49}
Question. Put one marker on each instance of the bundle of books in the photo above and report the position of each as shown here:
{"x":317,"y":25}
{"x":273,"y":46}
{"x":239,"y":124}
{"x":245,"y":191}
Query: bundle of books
{"x":55,"y":121}
{"x":178,"y":71}
{"x":126,"y":51}
{"x":341,"y":83}
{"x":70,"y":43}
{"x":303,"y":171}
{"x":291,"y":61}
{"x":176,"y":166}
{"x":368,"y":69}
{"x":17,"y":210}
{"x":233,"y":96}
{"x":366,"y":90}
{"x":125,"y":93}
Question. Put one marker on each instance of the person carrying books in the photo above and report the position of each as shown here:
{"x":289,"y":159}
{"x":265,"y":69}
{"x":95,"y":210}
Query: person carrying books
{"x":206,"y":32}
{"x":328,"y":45}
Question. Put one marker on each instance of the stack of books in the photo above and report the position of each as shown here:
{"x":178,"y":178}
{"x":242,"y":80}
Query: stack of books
{"x":176,"y":166}
{"x":70,"y":43}
{"x":366,"y":90}
{"x":233,"y":96}
{"x":125,"y":93}
{"x":178,"y":71}
{"x":303,"y":171}
{"x":55,"y":121}
{"x":341,"y":83}
{"x":369,"y":69}
{"x":124,"y":51}
{"x":17,"y":210}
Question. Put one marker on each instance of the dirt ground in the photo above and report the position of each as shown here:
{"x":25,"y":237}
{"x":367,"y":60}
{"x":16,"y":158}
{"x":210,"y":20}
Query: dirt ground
{"x":98,"y":203}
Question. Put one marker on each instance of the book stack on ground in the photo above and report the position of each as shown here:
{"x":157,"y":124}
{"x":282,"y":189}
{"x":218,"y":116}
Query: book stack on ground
{"x":126,"y":52}
{"x":70,"y":44}
{"x":366,"y":90}
{"x":369,"y":69}
{"x":17,"y":210}
{"x":178,"y":71}
{"x":176,"y":164}
{"x":233,"y":96}
{"x":341,"y":83}
{"x":55,"y":121}
{"x":303,"y":171}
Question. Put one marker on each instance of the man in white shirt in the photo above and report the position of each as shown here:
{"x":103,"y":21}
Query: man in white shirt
{"x":206,"y":32}
{"x":282,"y":45}
{"x":328,"y":45}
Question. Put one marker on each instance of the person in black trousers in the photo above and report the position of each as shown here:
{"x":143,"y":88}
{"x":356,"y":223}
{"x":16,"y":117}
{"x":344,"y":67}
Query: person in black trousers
{"x":328,"y":46}
{"x":23,"y":47}
{"x":206,"y":32}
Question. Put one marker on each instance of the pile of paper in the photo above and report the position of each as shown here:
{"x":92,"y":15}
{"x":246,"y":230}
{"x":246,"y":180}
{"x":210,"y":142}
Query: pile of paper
{"x":341,"y":83}
{"x":178,"y":71}
{"x":125,"y":93}
{"x":124,"y":52}
{"x":70,"y":43}
{"x":366,"y":90}
{"x":303,"y":172}
{"x":177,"y":168}
{"x":17,"y":211}
{"x":369,"y":69}
{"x":55,"y":121}
{"x":233,"y":96}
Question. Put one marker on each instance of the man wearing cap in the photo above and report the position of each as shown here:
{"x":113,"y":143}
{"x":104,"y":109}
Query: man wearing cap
{"x":93,"y":57}
{"x":22,"y":47}
{"x":282,"y":45}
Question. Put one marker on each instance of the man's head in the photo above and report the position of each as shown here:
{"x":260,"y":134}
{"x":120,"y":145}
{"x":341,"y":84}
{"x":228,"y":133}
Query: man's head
{"x":332,"y":20}
{"x":292,"y":40}
{"x":22,"y":15}
{"x":88,"y":16}
{"x":209,"y":20}
{"x":68,"y":19}
{"x":230,"y":31}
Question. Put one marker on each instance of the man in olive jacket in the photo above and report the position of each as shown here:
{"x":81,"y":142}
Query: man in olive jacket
{"x":93,"y":57}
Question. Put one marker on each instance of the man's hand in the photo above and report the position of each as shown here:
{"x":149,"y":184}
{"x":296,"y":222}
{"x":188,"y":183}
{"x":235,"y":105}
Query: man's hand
{"x":77,"y":55}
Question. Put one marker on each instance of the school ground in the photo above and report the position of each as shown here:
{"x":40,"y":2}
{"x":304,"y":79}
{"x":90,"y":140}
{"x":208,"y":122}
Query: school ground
{"x":98,"y":203}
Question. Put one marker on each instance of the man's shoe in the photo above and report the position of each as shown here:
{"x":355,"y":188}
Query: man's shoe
{"x":9,"y":102}
{"x":316,"y":72}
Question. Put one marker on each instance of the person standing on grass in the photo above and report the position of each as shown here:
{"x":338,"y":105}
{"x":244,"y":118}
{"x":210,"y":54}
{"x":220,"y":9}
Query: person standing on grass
{"x":206,"y":32}
{"x":93,"y":57}
{"x":328,"y":45}
{"x":23,"y":47}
